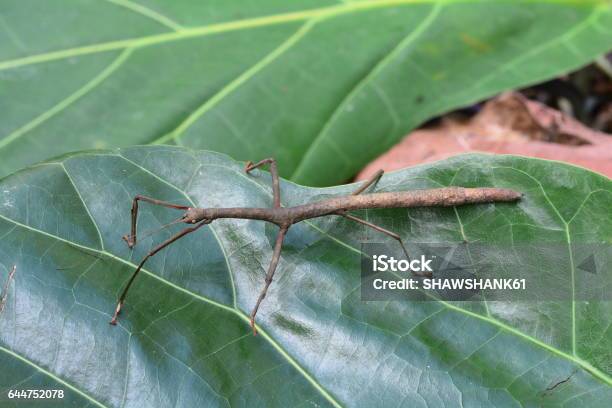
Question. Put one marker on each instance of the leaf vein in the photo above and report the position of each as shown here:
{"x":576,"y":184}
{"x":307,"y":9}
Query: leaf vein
{"x":52,"y":376}
{"x":65,"y":103}
{"x":237,"y":311}
{"x":212,"y":229}
{"x":76,"y":190}
{"x":148,"y":13}
{"x":273,"y":19}
{"x":236,"y":83}
{"x":378,"y":68}
{"x":571,"y":357}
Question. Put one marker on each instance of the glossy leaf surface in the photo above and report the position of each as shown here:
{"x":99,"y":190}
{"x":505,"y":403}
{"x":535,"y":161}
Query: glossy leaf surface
{"x":322,"y":86}
{"x":184,"y":339}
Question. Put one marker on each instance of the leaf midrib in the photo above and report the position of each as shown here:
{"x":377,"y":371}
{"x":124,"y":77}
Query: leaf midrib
{"x":235,"y":25}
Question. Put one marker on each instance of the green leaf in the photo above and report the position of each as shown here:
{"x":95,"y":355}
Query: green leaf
{"x":184,"y":339}
{"x":322,"y":86}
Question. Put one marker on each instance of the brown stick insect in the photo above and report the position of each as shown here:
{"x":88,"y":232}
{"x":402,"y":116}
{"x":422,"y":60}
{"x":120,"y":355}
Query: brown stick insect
{"x":285,"y":217}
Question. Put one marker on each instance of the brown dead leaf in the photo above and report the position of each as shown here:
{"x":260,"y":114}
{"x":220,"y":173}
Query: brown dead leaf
{"x":509,"y":124}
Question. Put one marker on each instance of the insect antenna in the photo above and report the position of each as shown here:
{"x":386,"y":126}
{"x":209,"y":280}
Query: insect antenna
{"x":149,"y":232}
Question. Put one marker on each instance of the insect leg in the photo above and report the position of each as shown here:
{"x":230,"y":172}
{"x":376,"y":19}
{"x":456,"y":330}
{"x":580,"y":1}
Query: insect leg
{"x":131,"y":239}
{"x":373,"y":180}
{"x":274,"y":172}
{"x":271,"y":269}
{"x":150,"y":254}
{"x":384,"y":231}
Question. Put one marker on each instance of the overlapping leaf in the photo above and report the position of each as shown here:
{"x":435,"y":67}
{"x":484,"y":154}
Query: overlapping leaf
{"x":184,"y":338}
{"x":323,"y":86}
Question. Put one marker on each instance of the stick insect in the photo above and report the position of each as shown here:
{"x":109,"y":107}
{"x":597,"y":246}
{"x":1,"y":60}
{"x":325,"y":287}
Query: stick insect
{"x":285,"y":217}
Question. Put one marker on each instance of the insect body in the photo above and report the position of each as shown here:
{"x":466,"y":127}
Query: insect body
{"x":285,"y":217}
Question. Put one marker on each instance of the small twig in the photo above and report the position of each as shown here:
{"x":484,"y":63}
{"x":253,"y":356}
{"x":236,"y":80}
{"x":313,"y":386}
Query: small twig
{"x":4,"y":293}
{"x":284,"y":218}
{"x":558,"y":383}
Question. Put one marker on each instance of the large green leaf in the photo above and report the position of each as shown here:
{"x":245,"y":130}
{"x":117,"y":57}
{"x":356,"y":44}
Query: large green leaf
{"x":184,"y":339}
{"x":323,"y":86}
